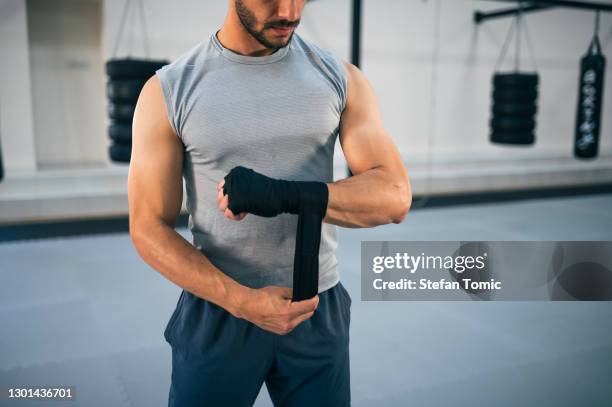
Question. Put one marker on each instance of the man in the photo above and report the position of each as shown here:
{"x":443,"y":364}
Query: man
{"x":256,"y":94}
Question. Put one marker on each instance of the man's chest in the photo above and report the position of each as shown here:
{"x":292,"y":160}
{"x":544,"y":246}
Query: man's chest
{"x":253,"y":114}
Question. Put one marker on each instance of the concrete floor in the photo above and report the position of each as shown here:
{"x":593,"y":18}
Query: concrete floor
{"x":88,"y":312}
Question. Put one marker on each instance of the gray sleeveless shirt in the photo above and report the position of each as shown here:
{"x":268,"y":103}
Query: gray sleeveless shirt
{"x":278,"y":114}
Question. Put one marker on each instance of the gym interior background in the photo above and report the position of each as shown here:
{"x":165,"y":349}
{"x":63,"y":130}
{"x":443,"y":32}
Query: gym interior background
{"x":75,"y":303}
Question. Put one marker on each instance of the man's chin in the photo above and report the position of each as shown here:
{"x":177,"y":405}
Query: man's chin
{"x":278,"y":42}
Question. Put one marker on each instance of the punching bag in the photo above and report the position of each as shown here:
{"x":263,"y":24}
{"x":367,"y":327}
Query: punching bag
{"x":1,"y":166}
{"x":514,"y":96}
{"x":590,"y":101}
{"x":126,"y":77}
{"x":514,"y":108}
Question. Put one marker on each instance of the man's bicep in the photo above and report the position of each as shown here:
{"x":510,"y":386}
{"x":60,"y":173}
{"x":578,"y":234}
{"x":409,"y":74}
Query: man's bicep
{"x":155,"y":185}
{"x":365,"y":142}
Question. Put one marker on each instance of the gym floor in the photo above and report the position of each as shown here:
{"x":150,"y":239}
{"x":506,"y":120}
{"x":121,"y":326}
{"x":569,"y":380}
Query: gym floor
{"x":86,"y":311}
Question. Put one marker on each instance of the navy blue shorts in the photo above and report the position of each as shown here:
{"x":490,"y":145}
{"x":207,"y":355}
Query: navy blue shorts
{"x":220,"y":360}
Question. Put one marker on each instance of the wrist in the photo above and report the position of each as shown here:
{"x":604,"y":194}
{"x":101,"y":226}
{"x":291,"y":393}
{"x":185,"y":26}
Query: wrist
{"x":314,"y":197}
{"x":237,"y":295}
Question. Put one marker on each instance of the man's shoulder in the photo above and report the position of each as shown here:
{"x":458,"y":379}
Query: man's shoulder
{"x":189,"y":59}
{"x":309,"y":46}
{"x":327,"y":56}
{"x":330,"y":65}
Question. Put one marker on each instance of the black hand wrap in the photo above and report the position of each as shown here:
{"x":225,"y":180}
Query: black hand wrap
{"x":249,"y":191}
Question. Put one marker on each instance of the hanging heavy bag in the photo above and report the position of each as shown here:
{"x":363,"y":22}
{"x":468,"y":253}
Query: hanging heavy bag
{"x":120,"y":133}
{"x":121,"y":112}
{"x":120,"y":152}
{"x":514,"y":107}
{"x":514,"y":97}
{"x":136,"y":68}
{"x":590,"y":101}
{"x":126,"y":77}
{"x":1,"y":166}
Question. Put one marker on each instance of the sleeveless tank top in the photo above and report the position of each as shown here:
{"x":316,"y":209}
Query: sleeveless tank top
{"x":278,"y":114}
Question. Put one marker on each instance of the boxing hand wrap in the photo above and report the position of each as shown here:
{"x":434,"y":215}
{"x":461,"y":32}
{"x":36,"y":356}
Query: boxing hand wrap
{"x":252,"y":192}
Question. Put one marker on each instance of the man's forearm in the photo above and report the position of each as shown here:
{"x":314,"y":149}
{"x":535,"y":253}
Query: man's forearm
{"x":169,"y":253}
{"x":372,"y":198}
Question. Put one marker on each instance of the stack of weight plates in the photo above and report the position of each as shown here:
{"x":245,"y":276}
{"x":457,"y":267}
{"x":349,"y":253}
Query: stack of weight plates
{"x":514,"y":109}
{"x":126,"y":78}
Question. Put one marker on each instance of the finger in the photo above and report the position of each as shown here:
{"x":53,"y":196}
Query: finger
{"x":305,"y":306}
{"x":229,"y":214}
{"x":298,"y":320}
{"x":269,"y":328}
{"x":219,"y":197}
{"x":223,"y":203}
{"x":275,"y":327}
{"x":220,"y":185}
{"x":240,"y":216}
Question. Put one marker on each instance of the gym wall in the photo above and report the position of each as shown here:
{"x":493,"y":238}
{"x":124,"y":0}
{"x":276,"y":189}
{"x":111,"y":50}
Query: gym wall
{"x":399,"y":43}
{"x":429,"y":64}
{"x":66,"y":73}
{"x":16,"y":123}
{"x":431,"y":68}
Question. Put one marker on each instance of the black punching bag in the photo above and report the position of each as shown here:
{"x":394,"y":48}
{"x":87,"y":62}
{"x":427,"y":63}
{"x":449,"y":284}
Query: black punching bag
{"x":514,"y":108}
{"x":1,"y":166}
{"x":126,"y":77}
{"x":590,"y":101}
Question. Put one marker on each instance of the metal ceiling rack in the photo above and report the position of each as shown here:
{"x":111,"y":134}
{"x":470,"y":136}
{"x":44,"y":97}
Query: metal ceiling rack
{"x":480,"y":16}
{"x":356,"y":33}
{"x":540,"y":5}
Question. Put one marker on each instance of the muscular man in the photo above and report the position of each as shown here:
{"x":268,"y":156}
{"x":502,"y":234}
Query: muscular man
{"x":256,"y":94}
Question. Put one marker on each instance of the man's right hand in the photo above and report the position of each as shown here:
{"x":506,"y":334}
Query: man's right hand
{"x":271,"y":308}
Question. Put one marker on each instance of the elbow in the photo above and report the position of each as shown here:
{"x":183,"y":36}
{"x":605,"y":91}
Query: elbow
{"x":138,"y":234}
{"x":135,"y":229}
{"x":403,"y":201}
{"x":145,"y":233}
